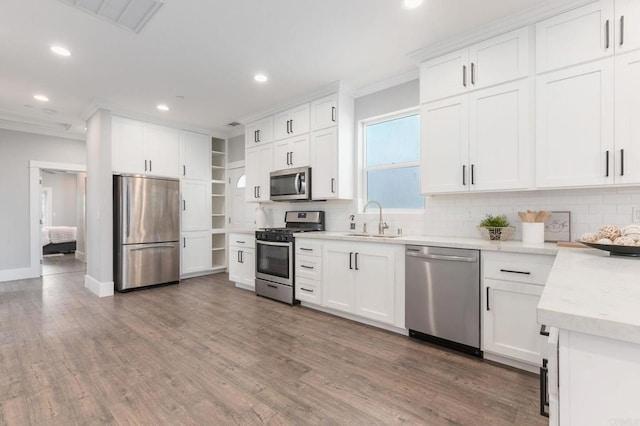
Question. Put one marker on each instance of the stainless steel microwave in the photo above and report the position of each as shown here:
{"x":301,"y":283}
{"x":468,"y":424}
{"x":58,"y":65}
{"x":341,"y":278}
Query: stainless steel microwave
{"x":291,"y":184}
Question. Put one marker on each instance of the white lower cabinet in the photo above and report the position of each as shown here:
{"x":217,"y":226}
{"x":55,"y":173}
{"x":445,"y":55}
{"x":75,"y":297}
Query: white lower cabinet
{"x":512,"y":285}
{"x":242,"y":260}
{"x":195,"y":252}
{"x":308,"y":271}
{"x":361,"y":279}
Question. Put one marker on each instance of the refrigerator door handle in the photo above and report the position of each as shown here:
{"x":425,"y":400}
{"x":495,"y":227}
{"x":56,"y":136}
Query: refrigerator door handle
{"x":154,"y":246}
{"x":128,"y":210}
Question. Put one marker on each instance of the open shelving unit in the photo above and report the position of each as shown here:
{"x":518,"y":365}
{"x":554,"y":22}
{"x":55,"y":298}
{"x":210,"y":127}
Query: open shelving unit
{"x":218,"y":200}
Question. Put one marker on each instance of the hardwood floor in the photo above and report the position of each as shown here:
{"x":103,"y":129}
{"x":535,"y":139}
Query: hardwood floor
{"x":204,"y":352}
{"x":62,"y":264}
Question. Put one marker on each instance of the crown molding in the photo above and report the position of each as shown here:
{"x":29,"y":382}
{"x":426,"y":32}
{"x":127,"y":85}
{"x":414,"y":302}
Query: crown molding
{"x":495,"y":28}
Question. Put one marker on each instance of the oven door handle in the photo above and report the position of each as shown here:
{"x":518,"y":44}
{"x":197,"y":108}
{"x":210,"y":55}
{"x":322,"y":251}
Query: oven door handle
{"x":269,"y":243}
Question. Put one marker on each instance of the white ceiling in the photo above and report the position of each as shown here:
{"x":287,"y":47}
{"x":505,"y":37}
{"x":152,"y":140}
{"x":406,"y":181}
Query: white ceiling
{"x":209,"y":50}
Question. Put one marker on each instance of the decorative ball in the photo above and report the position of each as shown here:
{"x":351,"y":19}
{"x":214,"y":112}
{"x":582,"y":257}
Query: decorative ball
{"x":604,"y":241}
{"x":590,"y":237}
{"x":632,"y":231}
{"x":624,"y":241}
{"x":610,"y":232}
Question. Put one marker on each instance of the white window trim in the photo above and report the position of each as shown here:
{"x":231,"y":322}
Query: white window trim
{"x":362,"y":169}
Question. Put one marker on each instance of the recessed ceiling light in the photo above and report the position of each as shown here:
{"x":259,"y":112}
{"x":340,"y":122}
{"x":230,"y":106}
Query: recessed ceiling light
{"x":411,"y":4}
{"x":41,"y":98}
{"x":162,"y":107}
{"x":261,"y":78}
{"x":59,"y":50}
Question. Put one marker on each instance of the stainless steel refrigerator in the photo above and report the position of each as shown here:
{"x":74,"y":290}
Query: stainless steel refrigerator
{"x":146,"y":231}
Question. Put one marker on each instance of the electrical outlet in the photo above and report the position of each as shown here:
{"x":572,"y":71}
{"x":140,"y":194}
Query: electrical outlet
{"x":636,"y":214}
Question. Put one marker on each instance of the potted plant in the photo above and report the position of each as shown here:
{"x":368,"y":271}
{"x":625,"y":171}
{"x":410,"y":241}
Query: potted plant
{"x":496,"y":228}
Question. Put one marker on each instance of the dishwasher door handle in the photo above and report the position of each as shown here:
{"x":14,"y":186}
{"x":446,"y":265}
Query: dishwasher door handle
{"x":443,"y":257}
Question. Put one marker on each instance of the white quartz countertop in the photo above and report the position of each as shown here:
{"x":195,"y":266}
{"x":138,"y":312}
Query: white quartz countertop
{"x":591,"y":292}
{"x":453,"y":242}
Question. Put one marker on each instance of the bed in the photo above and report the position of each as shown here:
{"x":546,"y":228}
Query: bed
{"x":58,"y":239}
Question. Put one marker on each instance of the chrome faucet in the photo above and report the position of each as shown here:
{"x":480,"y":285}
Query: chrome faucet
{"x":382,"y":225}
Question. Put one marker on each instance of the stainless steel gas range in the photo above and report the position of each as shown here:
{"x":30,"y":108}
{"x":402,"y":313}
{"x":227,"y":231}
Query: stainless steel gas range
{"x":275,"y":248}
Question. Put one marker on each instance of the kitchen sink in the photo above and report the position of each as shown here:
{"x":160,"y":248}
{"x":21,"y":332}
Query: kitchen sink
{"x":360,"y":234}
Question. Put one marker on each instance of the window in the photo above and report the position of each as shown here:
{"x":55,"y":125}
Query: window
{"x":391,"y":160}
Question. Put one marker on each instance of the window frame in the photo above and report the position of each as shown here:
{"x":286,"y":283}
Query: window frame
{"x":362,"y":160}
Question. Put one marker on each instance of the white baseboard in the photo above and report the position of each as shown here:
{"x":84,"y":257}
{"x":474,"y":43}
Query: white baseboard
{"x":98,"y":288}
{"x":81,"y":256}
{"x":357,"y":318}
{"x":19,"y":274}
{"x":512,"y":362}
{"x":245,"y":286}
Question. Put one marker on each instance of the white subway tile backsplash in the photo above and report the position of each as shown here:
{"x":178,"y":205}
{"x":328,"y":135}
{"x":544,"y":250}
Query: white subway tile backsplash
{"x":458,"y":215}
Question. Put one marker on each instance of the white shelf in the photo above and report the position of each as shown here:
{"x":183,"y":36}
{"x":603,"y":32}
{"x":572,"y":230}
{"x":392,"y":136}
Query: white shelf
{"x":218,"y":181}
{"x":217,"y":249}
{"x":217,"y":153}
{"x":218,"y":230}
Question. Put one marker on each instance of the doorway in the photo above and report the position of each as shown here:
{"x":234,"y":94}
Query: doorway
{"x":241,"y":213}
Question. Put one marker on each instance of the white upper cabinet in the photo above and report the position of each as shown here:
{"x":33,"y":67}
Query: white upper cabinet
{"x":580,"y":35}
{"x":494,"y":61}
{"x":627,"y":125}
{"x":144,"y":148}
{"x":291,"y":153}
{"x":477,"y":142}
{"x":292,"y":122}
{"x":444,"y":154}
{"x":628,"y":25}
{"x":258,"y":166}
{"x":195,"y":155}
{"x":324,"y":112}
{"x":575,"y":126}
{"x":499,"y":132}
{"x":260,"y":131}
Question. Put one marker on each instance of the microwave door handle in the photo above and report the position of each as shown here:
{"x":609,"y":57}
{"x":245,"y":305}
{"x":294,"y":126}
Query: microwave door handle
{"x":298,"y":183}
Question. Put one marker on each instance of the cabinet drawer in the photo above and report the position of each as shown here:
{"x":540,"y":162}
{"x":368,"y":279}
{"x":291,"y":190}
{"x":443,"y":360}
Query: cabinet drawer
{"x":308,"y":267}
{"x":242,"y":241}
{"x":306,"y":248}
{"x":518,"y":267}
{"x":308,"y":291}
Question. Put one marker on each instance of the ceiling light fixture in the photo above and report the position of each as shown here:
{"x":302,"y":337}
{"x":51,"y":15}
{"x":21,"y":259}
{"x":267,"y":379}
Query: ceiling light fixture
{"x":41,"y":98}
{"x":411,"y":4}
{"x":260,"y":78}
{"x":59,"y":50}
{"x":162,"y":107}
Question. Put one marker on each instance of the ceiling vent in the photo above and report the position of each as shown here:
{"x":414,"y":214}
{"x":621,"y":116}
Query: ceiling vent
{"x":131,"y":15}
{"x":233,"y":124}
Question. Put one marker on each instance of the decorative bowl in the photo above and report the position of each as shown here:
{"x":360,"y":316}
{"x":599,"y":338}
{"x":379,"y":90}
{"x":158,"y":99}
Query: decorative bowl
{"x":616,"y":250}
{"x":493,"y":233}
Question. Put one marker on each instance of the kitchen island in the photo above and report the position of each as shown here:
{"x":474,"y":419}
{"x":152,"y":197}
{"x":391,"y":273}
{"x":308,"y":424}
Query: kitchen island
{"x":593,"y":299}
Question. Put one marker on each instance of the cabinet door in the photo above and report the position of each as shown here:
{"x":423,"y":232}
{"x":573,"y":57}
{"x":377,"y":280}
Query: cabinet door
{"x":627,"y":25}
{"x":444,"y":141}
{"x":281,"y":125}
{"x":324,"y":112}
{"x":500,"y":59}
{"x":324,"y":164}
{"x":574,"y":127}
{"x":299,"y":151}
{"x":195,"y":153}
{"x":499,"y":149}
{"x":281,"y":154}
{"x":510,"y":320}
{"x":265,"y":130}
{"x":574,"y":37}
{"x":195,"y":212}
{"x":338,"y":279}
{"x":162,"y":146}
{"x":259,"y":163}
{"x":251,"y":134}
{"x":266,"y":167}
{"x":196,"y":252}
{"x":627,"y":153}
{"x":242,"y":264}
{"x":128,"y":146}
{"x":444,"y":76}
{"x":235,"y":265}
{"x":375,"y":282}
{"x":299,"y":120}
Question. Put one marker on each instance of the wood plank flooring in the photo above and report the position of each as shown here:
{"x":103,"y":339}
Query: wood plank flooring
{"x":204,"y":352}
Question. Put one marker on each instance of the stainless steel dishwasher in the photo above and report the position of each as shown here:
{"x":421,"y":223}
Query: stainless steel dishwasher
{"x":443,"y":296}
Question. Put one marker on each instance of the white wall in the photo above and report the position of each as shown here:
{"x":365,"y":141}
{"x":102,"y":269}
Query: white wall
{"x":63,"y":197}
{"x":16,"y":149}
{"x":81,"y":185}
{"x":458,"y":215}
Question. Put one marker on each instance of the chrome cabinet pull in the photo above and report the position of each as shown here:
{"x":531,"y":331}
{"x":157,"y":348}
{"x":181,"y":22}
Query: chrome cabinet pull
{"x":333,"y":182}
{"x":606,"y":30}
{"x":291,"y":157}
{"x":333,"y":114}
{"x":473,"y":73}
{"x":464,"y":76}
